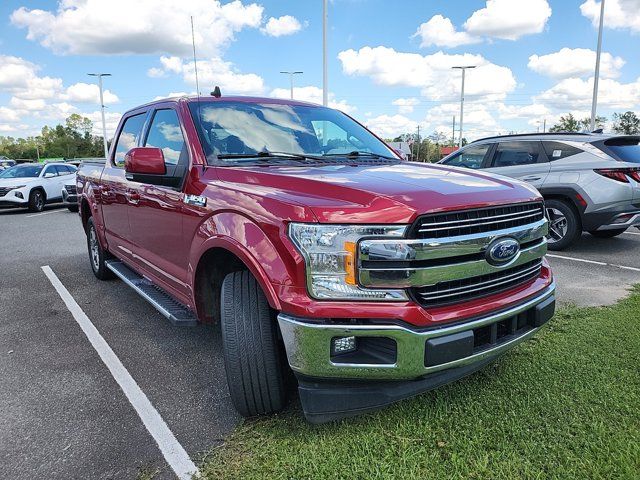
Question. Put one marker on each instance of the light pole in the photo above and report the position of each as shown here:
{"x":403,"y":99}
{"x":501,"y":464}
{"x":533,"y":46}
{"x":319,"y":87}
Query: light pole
{"x":291,"y":74}
{"x":594,"y":103}
{"x":463,"y":68}
{"x":325,"y":81}
{"x":104,"y":123}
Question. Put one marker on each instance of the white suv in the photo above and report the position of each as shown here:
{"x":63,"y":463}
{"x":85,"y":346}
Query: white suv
{"x":32,"y":185}
{"x":590,"y":182}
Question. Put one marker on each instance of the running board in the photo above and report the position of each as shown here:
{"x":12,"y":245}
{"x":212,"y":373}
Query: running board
{"x":168,"y":306}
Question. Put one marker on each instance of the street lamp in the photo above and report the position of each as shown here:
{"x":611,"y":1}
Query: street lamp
{"x":597,"y":73}
{"x":104,"y":123}
{"x":291,"y":74}
{"x":463,"y":68}
{"x":325,"y":81}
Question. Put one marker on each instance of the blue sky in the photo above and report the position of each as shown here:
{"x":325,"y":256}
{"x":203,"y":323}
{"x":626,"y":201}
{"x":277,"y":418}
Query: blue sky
{"x":389,"y":62}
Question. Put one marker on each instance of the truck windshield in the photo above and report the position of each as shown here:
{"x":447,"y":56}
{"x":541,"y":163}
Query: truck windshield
{"x":22,"y":171}
{"x":239,"y":131}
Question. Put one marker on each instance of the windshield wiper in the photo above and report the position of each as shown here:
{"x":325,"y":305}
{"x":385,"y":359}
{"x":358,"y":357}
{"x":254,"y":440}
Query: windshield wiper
{"x":268,"y":155}
{"x":358,"y":154}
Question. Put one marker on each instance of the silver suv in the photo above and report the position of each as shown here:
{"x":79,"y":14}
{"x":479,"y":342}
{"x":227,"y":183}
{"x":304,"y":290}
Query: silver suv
{"x":590,"y":181}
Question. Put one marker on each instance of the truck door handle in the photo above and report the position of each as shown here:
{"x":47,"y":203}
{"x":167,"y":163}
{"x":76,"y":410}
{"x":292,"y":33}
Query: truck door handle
{"x":133,"y":197}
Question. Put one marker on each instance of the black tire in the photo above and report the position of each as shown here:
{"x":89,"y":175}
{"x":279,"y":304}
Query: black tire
{"x":252,"y":353}
{"x":36,"y":200}
{"x":97,"y":255}
{"x":73,"y":208}
{"x":608,"y":233}
{"x":561,"y":238}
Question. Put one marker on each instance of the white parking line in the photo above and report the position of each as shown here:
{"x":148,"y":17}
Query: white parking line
{"x":593,"y":262}
{"x":631,"y":233}
{"x":173,"y":452}
{"x":44,"y":213}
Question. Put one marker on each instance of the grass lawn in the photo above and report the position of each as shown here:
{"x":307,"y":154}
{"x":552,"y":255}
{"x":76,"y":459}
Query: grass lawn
{"x":564,"y":405}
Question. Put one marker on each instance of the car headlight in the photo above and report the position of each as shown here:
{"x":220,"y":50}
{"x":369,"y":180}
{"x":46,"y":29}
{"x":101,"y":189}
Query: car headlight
{"x":330,"y":257}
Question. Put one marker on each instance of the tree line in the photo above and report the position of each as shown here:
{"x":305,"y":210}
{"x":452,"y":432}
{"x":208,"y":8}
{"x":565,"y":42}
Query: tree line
{"x":71,"y":140}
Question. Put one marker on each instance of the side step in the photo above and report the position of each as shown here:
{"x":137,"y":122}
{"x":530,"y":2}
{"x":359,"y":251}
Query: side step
{"x":176,"y":312}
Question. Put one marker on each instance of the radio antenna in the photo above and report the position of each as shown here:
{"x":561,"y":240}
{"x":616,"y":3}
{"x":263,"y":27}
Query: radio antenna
{"x":195,"y":62}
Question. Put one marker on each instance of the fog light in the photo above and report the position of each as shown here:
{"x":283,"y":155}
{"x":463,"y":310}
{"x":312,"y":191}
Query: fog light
{"x":341,"y":345}
{"x":19,"y":194}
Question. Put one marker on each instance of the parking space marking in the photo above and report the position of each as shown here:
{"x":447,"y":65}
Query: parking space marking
{"x":594,"y":262}
{"x":631,"y":233}
{"x":44,"y":213}
{"x":175,"y":455}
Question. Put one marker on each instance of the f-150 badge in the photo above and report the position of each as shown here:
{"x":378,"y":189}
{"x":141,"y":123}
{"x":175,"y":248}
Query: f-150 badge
{"x":196,"y":200}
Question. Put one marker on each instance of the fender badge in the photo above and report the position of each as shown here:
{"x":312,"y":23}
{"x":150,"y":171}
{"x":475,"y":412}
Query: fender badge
{"x":196,"y":200}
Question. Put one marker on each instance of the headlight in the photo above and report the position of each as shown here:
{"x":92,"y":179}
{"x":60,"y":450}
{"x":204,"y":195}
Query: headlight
{"x":330,"y":257}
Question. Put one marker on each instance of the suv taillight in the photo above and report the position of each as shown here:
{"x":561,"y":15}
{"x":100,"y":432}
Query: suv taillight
{"x":620,"y":174}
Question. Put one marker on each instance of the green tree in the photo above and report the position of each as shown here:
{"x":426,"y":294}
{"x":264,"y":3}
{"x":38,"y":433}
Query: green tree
{"x":626,"y":123}
{"x":569,"y":123}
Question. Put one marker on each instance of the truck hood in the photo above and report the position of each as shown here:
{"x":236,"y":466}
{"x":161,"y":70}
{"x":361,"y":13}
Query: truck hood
{"x":387,"y":193}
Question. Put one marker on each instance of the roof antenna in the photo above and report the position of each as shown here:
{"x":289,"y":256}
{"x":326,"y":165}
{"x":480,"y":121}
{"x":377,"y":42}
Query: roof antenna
{"x":216,"y":92}
{"x":195,"y":62}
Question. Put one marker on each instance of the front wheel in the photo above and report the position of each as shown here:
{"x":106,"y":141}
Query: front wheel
{"x":564,"y":224}
{"x":73,"y":208}
{"x":608,"y":233}
{"x":252,"y":352}
{"x":97,"y":256}
{"x":36,"y":201}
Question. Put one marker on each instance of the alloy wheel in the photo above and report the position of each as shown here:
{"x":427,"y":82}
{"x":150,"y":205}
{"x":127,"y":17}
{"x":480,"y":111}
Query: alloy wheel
{"x":558,"y":225}
{"x":93,"y":249}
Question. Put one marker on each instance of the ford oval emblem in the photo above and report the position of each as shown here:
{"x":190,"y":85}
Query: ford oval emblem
{"x":502,"y":251}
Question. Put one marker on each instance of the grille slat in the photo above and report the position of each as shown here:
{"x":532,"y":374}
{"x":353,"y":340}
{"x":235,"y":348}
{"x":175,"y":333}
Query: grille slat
{"x":473,"y":287}
{"x":5,"y":190}
{"x":71,"y":189}
{"x":467,"y":222}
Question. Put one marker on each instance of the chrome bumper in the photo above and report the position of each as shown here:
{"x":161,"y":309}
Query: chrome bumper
{"x":308,"y":345}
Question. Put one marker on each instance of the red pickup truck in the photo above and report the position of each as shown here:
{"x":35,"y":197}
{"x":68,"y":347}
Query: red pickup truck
{"x":316,"y":249}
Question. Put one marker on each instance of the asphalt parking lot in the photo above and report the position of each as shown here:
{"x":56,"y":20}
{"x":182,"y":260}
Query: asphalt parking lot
{"x":64,"y":416}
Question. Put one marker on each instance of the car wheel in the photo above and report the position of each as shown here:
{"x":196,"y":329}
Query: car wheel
{"x":607,"y":233}
{"x":73,"y":208}
{"x":36,"y":200}
{"x":564,"y":224}
{"x":97,"y":256}
{"x":252,"y":352}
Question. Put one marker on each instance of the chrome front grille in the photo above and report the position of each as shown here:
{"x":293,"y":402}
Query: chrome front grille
{"x":5,"y":190}
{"x":467,"y":222}
{"x":468,"y":288}
{"x":438,"y":269}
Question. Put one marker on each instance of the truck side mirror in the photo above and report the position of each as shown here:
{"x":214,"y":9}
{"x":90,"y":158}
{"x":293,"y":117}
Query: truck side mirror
{"x":144,"y":161}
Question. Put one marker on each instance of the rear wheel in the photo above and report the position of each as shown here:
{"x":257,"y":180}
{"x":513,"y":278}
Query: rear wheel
{"x":564,"y":224}
{"x":97,"y":256}
{"x":36,"y":200}
{"x":252,"y":352}
{"x":608,"y":233}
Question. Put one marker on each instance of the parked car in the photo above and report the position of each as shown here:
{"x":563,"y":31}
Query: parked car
{"x":33,"y":185}
{"x":304,"y":234}
{"x":590,"y":182}
{"x":6,"y":163}
{"x":70,"y":195}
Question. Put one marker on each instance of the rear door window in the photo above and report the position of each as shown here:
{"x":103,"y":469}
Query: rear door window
{"x":470,"y":157}
{"x":559,"y":150}
{"x":129,"y":137}
{"x":513,"y":154}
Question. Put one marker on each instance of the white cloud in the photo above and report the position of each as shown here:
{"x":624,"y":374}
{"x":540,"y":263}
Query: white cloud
{"x":532,"y":111}
{"x":96,"y":27}
{"x":440,"y":31}
{"x":312,"y":94}
{"x":576,"y":93}
{"x":575,"y":62}
{"x":405,"y":105}
{"x":20,"y":78}
{"x":155,"y":72}
{"x":111,"y":121}
{"x":431,"y":73}
{"x":509,"y":19}
{"x":9,"y":115}
{"x":88,"y":93}
{"x":281,"y":26}
{"x":390,"y":126}
{"x":618,"y":14}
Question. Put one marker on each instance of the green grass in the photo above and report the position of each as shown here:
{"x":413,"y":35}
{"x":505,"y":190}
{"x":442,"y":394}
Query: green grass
{"x":564,"y":405}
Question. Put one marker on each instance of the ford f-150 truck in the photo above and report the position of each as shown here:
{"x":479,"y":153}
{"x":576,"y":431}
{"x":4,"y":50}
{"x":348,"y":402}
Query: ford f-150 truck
{"x":317,"y":250}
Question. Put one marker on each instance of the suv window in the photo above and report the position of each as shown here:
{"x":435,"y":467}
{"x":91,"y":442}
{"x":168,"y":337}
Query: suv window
{"x":512,"y":154}
{"x":129,"y":137}
{"x":470,"y":157}
{"x":51,"y":169}
{"x":559,"y":150}
{"x":165,"y":133}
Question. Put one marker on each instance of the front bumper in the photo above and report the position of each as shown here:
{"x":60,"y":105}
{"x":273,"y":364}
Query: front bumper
{"x":69,"y":198}
{"x":423,"y":358}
